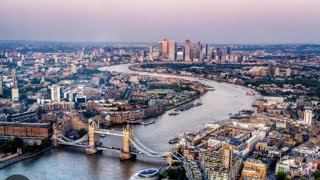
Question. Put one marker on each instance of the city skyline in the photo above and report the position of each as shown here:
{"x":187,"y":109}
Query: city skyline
{"x":242,"y":21}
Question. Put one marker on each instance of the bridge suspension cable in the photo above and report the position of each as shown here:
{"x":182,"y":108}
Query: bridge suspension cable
{"x":144,"y":150}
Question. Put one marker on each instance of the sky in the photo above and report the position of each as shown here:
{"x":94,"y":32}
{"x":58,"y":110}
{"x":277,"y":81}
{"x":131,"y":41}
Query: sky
{"x":211,"y":21}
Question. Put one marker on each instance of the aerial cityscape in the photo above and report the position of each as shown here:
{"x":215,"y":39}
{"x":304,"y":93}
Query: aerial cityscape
{"x":139,"y":91}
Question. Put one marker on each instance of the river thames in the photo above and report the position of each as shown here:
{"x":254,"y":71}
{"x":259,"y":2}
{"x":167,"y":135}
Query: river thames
{"x":66,"y":163}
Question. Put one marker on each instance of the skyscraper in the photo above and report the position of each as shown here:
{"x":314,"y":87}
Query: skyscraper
{"x":172,"y":50}
{"x":15,"y":91}
{"x":73,"y":68}
{"x":277,"y":71}
{"x":150,"y":53}
{"x":187,"y":50}
{"x":218,"y":56}
{"x":55,"y":93}
{"x":1,"y":86}
{"x":13,"y":73}
{"x":197,"y":50}
{"x":56,"y":61}
{"x":210,"y":53}
{"x":271,"y":68}
{"x":228,"y":50}
{"x":205,"y":51}
{"x":164,"y":48}
{"x":307,"y":116}
{"x":227,"y":152}
{"x":15,"y":94}
{"x":288,"y":72}
{"x":180,"y":54}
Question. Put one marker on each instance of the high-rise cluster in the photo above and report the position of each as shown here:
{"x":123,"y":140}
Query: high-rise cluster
{"x":197,"y":52}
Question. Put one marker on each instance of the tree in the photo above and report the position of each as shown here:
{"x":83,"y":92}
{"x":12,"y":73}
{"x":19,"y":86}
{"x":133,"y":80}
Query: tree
{"x":45,"y":142}
{"x":82,"y":132}
{"x":17,"y":142}
{"x":281,"y":175}
{"x":88,"y":114}
{"x":317,"y":174}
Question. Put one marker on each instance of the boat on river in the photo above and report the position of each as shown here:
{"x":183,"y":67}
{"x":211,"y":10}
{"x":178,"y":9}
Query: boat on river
{"x":146,"y":123}
{"x":173,"y":113}
{"x":250,"y":93}
{"x":134,"y":121}
{"x":174,"y":140}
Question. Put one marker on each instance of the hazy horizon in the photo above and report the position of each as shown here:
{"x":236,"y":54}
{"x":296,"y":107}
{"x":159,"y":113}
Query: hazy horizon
{"x":211,"y":21}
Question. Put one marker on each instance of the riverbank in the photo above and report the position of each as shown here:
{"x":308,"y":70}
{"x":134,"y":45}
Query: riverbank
{"x":199,"y":77}
{"x":22,"y":157}
{"x":216,"y":106}
{"x":183,"y":102}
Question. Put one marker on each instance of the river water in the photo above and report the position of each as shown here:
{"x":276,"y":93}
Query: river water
{"x":66,"y":163}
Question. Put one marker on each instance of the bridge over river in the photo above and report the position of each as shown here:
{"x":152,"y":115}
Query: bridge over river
{"x":69,"y":164}
{"x":131,"y":145}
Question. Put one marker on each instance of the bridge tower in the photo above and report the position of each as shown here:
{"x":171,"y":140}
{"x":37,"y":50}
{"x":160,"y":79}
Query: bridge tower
{"x":126,"y":144}
{"x":91,"y":148}
{"x":169,"y":158}
{"x":55,"y":134}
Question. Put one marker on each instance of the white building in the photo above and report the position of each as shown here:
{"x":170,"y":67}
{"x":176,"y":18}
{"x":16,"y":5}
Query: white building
{"x":15,"y":94}
{"x":308,"y":117}
{"x":55,"y":93}
{"x":73,"y":68}
{"x":172,"y":50}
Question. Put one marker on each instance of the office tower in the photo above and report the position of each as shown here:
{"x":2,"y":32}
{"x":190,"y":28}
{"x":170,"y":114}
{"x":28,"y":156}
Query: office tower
{"x":172,"y":50}
{"x":227,"y":153}
{"x":143,"y":53}
{"x":19,"y":63}
{"x":73,"y":68}
{"x":218,"y":56}
{"x":1,"y":86}
{"x":210,"y":53}
{"x":277,"y":71}
{"x":180,"y":54}
{"x":288,"y":72}
{"x":228,"y":50}
{"x":205,"y":51}
{"x":271,"y":68}
{"x":197,"y":50}
{"x":187,"y":50}
{"x":164,"y":48}
{"x":36,"y":68}
{"x":13,"y":73}
{"x":151,"y":53}
{"x":42,"y":80}
{"x":300,"y":101}
{"x":55,"y":93}
{"x":15,"y":83}
{"x":307,"y":116}
{"x":15,"y":91}
{"x":15,"y":94}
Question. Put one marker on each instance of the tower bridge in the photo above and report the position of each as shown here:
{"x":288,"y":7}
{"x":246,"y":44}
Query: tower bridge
{"x":131,"y":146}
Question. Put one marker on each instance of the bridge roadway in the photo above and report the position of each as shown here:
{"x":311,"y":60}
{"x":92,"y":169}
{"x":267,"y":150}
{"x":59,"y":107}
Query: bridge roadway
{"x":108,"y":132}
{"x":137,"y":148}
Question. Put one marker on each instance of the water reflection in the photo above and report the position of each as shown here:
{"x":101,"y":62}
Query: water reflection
{"x":72,"y":164}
